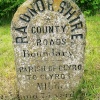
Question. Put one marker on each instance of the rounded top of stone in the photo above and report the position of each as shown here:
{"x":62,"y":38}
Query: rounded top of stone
{"x":49,"y":43}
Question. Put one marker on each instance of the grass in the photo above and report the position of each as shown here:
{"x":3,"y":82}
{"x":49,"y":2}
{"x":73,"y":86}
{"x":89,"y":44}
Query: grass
{"x":92,"y":63}
{"x":89,"y":88}
{"x":7,"y":67}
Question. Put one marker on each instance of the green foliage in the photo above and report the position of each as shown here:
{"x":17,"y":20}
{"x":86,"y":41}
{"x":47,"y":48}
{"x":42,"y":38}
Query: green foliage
{"x":8,"y":7}
{"x":89,"y":6}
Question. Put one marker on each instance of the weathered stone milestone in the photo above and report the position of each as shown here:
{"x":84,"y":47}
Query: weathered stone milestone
{"x":49,"y":43}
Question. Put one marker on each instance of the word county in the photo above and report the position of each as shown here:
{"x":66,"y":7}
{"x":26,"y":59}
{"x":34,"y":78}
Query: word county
{"x":65,"y":9}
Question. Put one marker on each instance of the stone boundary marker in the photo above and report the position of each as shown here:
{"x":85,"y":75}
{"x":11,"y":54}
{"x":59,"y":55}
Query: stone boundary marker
{"x":49,"y":43}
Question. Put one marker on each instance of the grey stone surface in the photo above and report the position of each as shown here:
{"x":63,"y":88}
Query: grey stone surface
{"x":49,"y":43}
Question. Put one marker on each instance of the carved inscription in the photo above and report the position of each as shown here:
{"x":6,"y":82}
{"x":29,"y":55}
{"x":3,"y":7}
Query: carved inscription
{"x":48,"y":29}
{"x":49,"y":49}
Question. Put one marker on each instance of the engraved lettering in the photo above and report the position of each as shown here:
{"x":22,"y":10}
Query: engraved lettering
{"x":76,"y":26}
{"x":70,"y":13}
{"x":22,"y":29}
{"x":50,"y":5}
{"x":32,"y":12}
{"x":25,"y":17}
{"x":21,"y":40}
{"x":40,"y":5}
{"x":62,"y":7}
{"x":76,"y":36}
